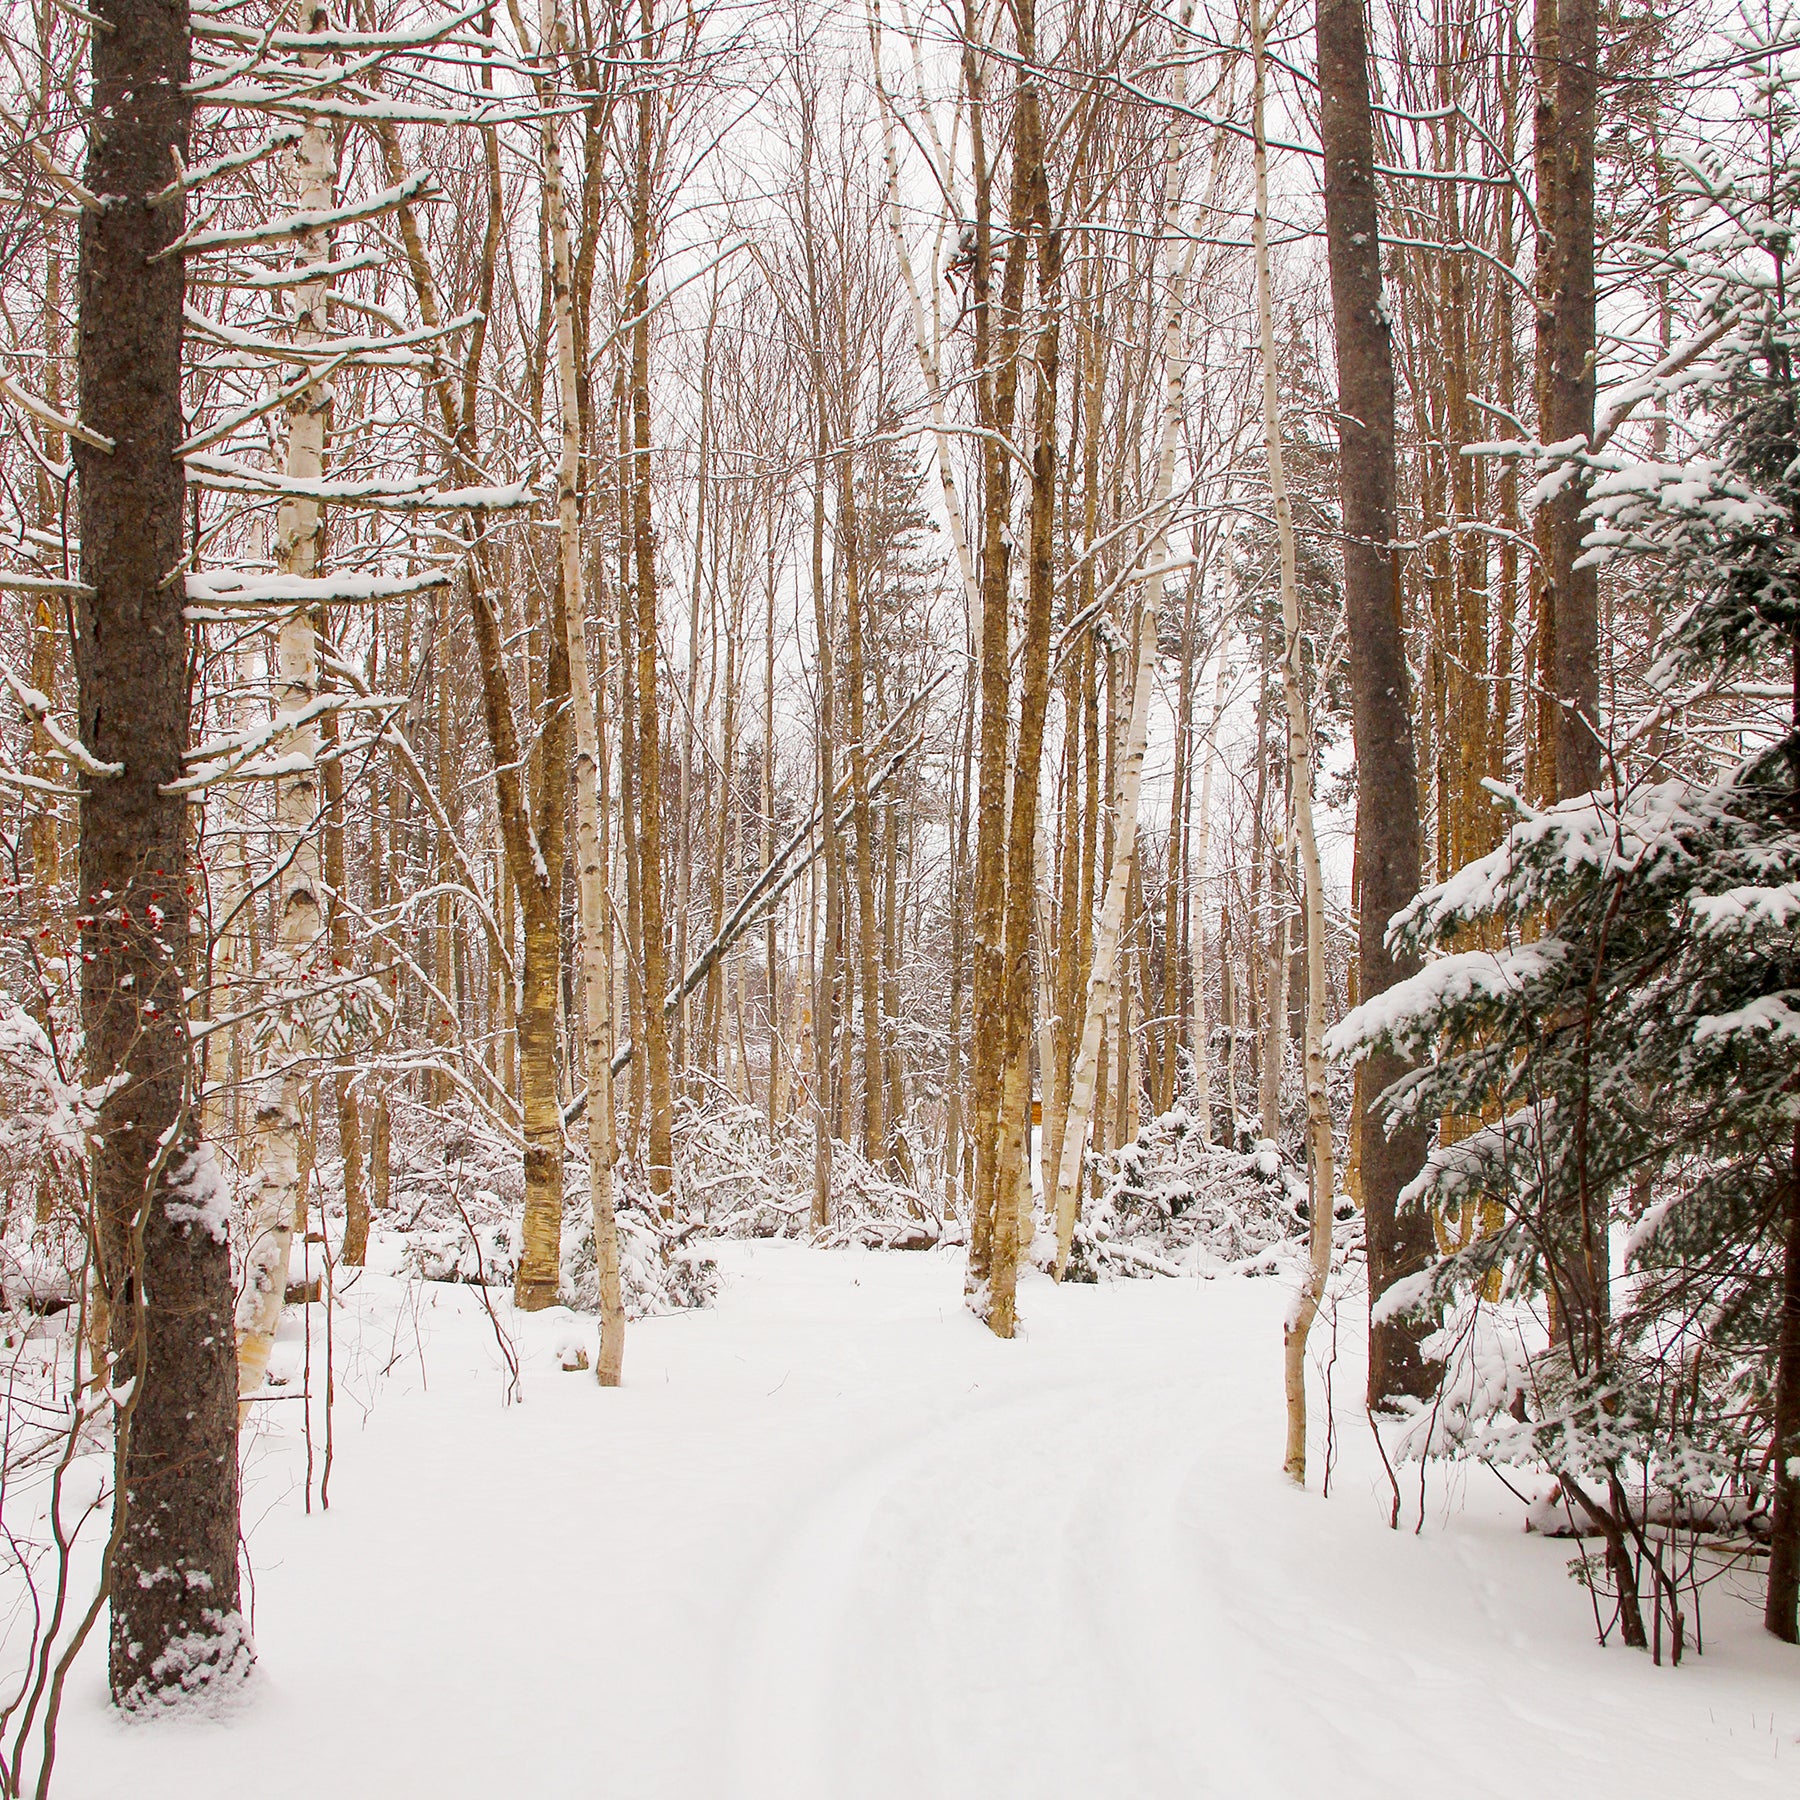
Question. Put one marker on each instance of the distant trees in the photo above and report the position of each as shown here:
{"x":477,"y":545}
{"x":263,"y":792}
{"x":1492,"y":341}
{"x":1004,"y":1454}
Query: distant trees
{"x":505,"y":584}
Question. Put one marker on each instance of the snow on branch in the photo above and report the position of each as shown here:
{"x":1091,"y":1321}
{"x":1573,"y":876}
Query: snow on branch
{"x":326,"y":106}
{"x":229,"y":758}
{"x":39,"y":584}
{"x":212,"y":23}
{"x":1409,"y":1014}
{"x":226,"y":587}
{"x":374,"y":349}
{"x":46,"y":414}
{"x":291,"y":390}
{"x":71,"y":750}
{"x":407,"y":193}
{"x":400,"y":494}
{"x":189,"y":179}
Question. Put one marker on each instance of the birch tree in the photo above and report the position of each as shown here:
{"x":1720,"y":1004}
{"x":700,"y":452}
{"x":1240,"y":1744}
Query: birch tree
{"x":1176,"y":250}
{"x":299,"y":526}
{"x":1321,"y":1184}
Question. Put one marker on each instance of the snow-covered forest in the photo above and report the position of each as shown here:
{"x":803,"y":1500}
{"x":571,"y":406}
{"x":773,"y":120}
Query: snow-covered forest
{"x":899,"y":897}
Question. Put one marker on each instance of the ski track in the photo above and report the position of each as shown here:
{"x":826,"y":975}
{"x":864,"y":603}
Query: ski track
{"x":833,"y":1542}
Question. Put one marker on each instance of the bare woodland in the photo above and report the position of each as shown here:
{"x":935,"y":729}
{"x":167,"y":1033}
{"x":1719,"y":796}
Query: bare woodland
{"x":977,"y":627}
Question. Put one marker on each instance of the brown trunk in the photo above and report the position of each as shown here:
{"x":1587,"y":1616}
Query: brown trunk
{"x":1566,"y":52}
{"x":164,"y":1272}
{"x":1781,"y":1607}
{"x":1387,"y":781}
{"x":868,"y":933}
{"x":649,"y":725}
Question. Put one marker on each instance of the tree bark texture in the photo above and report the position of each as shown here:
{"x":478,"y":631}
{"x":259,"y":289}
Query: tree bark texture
{"x":1566,"y":52}
{"x":1387,"y":790}
{"x":163,"y":1267}
{"x":1323,"y":1187}
{"x":299,"y":531}
{"x":596,"y":967}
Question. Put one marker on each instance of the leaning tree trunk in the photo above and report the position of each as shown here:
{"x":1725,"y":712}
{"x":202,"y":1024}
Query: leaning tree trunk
{"x":1102,"y":987}
{"x":160,"y":1205}
{"x":299,"y":528}
{"x":596,"y":969}
{"x":1387,"y":793}
{"x":1318,"y":1111}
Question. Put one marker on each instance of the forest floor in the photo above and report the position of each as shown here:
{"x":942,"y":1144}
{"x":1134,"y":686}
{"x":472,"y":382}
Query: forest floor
{"x":832,"y":1541}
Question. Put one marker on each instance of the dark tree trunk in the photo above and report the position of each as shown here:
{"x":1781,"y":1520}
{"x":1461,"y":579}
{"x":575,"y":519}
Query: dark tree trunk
{"x":162,"y":1260}
{"x":1566,"y":48}
{"x":1387,"y":793}
{"x":1781,"y":1607}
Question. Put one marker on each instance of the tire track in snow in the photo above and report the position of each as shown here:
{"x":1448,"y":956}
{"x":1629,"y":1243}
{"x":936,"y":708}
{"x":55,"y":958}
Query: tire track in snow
{"x":985,"y":1606}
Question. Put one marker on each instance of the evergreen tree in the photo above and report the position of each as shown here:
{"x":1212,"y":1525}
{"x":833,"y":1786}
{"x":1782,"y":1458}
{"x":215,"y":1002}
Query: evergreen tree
{"x":1631,"y":1042}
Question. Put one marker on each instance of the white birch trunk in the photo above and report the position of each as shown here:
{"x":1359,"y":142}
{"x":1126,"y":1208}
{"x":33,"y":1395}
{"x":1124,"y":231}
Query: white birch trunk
{"x":228,"y":887}
{"x":1202,"y":1045}
{"x":300,"y":916}
{"x":596,"y":974}
{"x":1318,"y":1112}
{"x":1102,"y":996}
{"x":928,"y":364}
{"x":1046,"y":1043}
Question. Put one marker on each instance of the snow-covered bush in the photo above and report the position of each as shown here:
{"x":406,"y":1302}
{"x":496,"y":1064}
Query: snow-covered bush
{"x":1169,"y":1203}
{"x":738,"y":1182}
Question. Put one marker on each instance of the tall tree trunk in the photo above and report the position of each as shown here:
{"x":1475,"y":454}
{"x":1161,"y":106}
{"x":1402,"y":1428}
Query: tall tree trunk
{"x":596,"y":968}
{"x":1323,"y":1190}
{"x":649,"y":724}
{"x":862,"y":820}
{"x":996,"y":389}
{"x":1013,"y":1186}
{"x":824,"y":1020}
{"x":1566,"y":52}
{"x":159,"y":1201}
{"x":1781,"y":1607}
{"x":349,"y":1110}
{"x":1197,"y":886}
{"x":1103,"y":972}
{"x":299,"y":531}
{"x":1387,"y":793}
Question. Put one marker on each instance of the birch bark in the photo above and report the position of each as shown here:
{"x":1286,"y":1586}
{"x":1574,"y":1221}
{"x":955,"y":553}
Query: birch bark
{"x":1318,"y":1112}
{"x":596,"y":969}
{"x":1202,"y":846}
{"x":298,"y":530}
{"x":1102,"y":988}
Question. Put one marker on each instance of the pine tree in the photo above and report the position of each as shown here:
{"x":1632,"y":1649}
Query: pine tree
{"x":1632,"y":1040}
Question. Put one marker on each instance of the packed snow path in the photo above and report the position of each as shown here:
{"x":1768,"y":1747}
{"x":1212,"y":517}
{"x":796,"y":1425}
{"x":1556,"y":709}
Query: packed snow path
{"x":832,"y":1542}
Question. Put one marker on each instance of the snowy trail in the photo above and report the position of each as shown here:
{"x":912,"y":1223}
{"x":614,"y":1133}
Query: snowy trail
{"x":833,"y":1542}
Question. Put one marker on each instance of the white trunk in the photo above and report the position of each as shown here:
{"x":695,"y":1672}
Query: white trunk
{"x":1197,"y":885}
{"x":1318,"y":1112}
{"x":596,"y":973}
{"x":928,"y":366}
{"x":228,"y":895}
{"x":1102,"y":996}
{"x":1046,"y":1042}
{"x":300,"y":915}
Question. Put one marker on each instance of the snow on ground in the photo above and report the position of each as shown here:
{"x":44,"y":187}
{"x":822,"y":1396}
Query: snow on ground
{"x":833,"y":1542}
